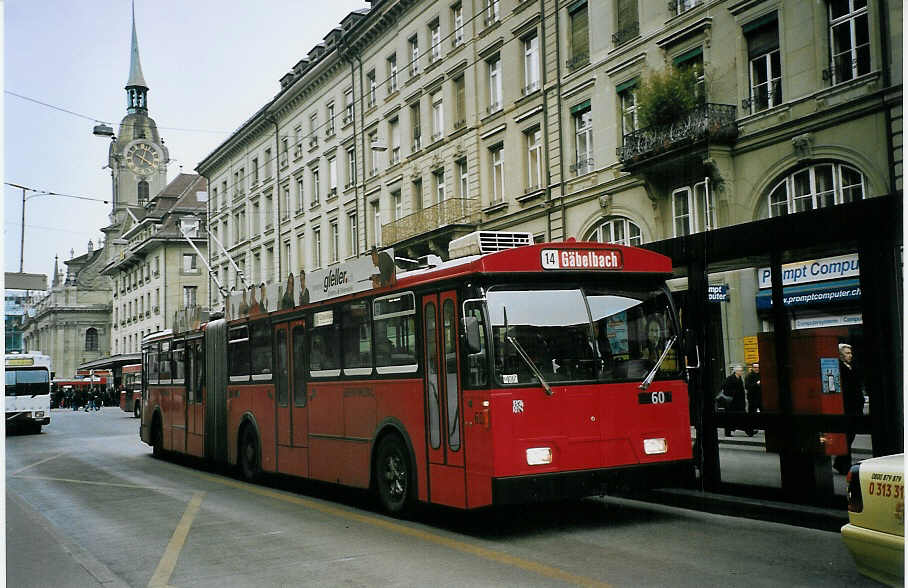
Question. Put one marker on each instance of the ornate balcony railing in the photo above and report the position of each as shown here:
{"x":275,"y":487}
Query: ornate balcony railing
{"x":712,"y":121}
{"x":453,"y":211}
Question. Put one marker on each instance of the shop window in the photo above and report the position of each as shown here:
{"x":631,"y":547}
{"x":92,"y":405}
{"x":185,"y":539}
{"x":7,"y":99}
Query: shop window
{"x":816,"y":186}
{"x":618,"y":230}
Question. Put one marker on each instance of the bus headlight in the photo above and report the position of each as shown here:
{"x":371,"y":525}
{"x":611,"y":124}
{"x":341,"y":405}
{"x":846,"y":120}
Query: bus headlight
{"x":539,"y":455}
{"x":39,"y":414}
{"x":654,"y":446}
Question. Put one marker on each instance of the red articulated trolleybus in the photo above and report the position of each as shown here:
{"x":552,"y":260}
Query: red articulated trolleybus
{"x":512,"y":373}
{"x":131,"y":394}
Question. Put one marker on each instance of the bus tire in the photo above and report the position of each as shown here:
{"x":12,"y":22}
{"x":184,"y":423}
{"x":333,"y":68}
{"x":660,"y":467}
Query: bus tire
{"x":250,"y":463}
{"x":157,"y":439}
{"x":137,"y":410}
{"x":394,"y":476}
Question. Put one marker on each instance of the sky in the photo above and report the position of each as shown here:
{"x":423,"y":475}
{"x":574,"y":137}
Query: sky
{"x":209,"y":66}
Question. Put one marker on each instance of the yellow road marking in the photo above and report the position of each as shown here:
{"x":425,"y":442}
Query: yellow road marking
{"x":37,"y":463}
{"x":72,"y":481}
{"x":172,"y":553}
{"x":462,"y":546}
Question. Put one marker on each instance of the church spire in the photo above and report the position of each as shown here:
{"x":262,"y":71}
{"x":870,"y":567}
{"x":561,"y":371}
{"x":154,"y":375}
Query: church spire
{"x":136,"y":88}
{"x":56,"y":279}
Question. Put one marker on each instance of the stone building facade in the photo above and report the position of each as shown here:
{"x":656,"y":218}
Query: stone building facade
{"x":414,"y":122}
{"x":71,"y":322}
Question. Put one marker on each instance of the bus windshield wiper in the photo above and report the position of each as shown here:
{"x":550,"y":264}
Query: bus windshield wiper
{"x":523,"y":355}
{"x":652,"y":374}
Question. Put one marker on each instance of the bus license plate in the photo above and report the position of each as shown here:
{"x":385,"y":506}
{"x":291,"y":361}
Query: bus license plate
{"x":654,"y":397}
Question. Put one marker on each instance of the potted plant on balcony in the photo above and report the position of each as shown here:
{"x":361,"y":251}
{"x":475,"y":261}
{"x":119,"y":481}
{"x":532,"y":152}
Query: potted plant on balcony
{"x":667,"y":96}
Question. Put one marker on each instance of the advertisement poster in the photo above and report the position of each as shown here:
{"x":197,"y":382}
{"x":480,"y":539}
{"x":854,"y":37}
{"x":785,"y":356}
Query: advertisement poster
{"x":616,"y":330}
{"x":829,"y":375}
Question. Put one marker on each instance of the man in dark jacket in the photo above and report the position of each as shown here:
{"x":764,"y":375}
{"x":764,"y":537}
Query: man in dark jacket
{"x":852,"y":398}
{"x":734,"y":388}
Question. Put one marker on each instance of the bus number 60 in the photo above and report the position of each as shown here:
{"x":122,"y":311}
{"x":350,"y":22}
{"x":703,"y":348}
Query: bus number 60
{"x":657,"y":398}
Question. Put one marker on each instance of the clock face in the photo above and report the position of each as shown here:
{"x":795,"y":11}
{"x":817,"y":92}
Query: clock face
{"x":142,"y":158}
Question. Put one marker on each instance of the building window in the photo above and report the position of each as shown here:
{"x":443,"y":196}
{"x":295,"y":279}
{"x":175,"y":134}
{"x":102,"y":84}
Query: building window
{"x":285,"y":155}
{"x":462,"y":179}
{"x":351,"y":166}
{"x":627,"y":23}
{"x":583,"y":138}
{"x":285,"y":203}
{"x":531,"y":64}
{"x":353,"y":231}
{"x":142,"y":190}
{"x":394,"y":133}
{"x":579,"y":36}
{"x":816,"y":186}
{"x":496,"y":159}
{"x":189,"y":263}
{"x":398,"y":203}
{"x":316,"y":247}
{"x":457,"y":18}
{"x":392,"y":73}
{"x":299,"y":194}
{"x":849,"y":39}
{"x":335,"y":242}
{"x":269,"y":211}
{"x":492,"y":12}
{"x":332,"y":177}
{"x":628,"y":96}
{"x":682,"y":6}
{"x":435,"y":36}
{"x":438,"y":116}
{"x":618,"y":230}
{"x":417,"y":195}
{"x":348,"y":106}
{"x":439,"y":177}
{"x":370,"y":77}
{"x":297,"y":141}
{"x":414,"y":56}
{"x":376,"y":223}
{"x":373,"y":154}
{"x":415,"y":124}
{"x":460,"y":103}
{"x":534,"y":158}
{"x":189,"y":296}
{"x":693,"y":209}
{"x":765,"y":65}
{"x":257,"y":274}
{"x":316,"y":189}
{"x":91,"y":339}
{"x":256,"y":215}
{"x":494,"y":65}
{"x":313,"y":130}
{"x":329,"y":131}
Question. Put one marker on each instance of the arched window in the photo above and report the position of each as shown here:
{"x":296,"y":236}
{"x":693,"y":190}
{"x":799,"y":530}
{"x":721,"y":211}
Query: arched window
{"x":91,"y":339}
{"x":616,"y":229}
{"x":817,"y":186}
{"x":143,"y":192}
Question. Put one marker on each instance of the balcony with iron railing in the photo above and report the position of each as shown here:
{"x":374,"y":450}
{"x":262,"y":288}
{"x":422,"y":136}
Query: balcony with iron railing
{"x":704,"y":124}
{"x":450,"y":213}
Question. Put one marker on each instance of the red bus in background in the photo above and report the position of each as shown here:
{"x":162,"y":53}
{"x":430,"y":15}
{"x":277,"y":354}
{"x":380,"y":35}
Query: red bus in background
{"x":507,"y":374}
{"x":131,"y":393}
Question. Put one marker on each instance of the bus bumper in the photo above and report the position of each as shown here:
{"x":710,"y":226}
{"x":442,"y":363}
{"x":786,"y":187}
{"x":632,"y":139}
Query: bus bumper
{"x":562,"y":485}
{"x":38,"y":417}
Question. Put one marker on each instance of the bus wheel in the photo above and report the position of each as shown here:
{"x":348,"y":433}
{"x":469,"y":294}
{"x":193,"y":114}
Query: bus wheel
{"x":394,"y":476}
{"x":249,"y":455}
{"x":157,"y":440}
{"x":137,"y":411}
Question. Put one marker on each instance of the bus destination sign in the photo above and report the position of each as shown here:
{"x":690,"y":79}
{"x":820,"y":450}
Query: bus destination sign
{"x":579,"y":259}
{"x":19,"y":362}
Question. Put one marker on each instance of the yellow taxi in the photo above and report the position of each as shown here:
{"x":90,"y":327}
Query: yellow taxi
{"x":875,"y":533}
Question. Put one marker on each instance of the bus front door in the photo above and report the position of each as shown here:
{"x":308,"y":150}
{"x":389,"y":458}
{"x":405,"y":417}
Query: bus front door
{"x":447,"y":480}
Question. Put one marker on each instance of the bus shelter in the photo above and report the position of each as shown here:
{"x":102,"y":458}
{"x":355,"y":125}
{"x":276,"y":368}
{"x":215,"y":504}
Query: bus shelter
{"x":784,"y":300}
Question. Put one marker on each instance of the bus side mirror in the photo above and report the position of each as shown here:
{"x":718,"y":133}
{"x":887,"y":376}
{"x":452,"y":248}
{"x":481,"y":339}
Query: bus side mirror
{"x":471,"y":334}
{"x":691,"y":350}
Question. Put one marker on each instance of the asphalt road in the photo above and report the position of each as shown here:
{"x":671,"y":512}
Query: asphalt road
{"x":87,"y":505}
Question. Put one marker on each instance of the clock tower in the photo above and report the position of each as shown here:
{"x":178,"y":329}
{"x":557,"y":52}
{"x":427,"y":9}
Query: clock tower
{"x":137,"y":157}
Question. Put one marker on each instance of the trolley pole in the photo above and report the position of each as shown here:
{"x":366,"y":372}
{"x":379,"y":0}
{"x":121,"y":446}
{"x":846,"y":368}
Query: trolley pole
{"x":22,"y":236}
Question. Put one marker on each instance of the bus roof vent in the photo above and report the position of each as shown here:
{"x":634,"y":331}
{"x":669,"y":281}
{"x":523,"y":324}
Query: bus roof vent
{"x":480,"y":242}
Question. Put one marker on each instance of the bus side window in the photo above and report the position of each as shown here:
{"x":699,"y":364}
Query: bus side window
{"x":261,"y":351}
{"x":356,"y":338}
{"x":165,"y":369}
{"x":477,"y":363}
{"x":324,"y":345}
{"x":299,"y":366}
{"x":200,"y":371}
{"x":238,"y":353}
{"x":394,"y":320}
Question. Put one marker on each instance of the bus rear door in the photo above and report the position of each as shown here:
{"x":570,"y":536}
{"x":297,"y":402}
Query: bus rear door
{"x":447,"y":480}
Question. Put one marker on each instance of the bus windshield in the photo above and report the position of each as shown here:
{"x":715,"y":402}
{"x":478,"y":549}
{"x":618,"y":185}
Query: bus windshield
{"x":580,"y":334}
{"x":27,"y":382}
